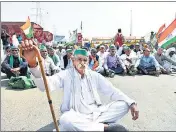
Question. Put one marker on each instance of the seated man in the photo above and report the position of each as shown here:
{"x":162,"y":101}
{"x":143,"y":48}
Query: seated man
{"x":67,"y":59}
{"x":161,"y":58}
{"x":129,"y":59}
{"x":54,"y":57}
{"x":7,"y":53}
{"x":14,"y":65}
{"x":137,"y":50}
{"x":102,"y":56}
{"x":95,"y":63}
{"x":82,"y":109}
{"x":147,"y":64}
{"x":113,"y":62}
{"x":49,"y":66}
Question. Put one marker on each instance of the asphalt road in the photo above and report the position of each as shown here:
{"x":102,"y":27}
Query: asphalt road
{"x":28,"y":110}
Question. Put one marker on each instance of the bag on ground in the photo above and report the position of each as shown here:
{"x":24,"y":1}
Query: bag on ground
{"x":21,"y":82}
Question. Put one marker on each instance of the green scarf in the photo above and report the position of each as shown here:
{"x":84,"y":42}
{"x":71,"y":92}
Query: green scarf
{"x":12,"y":61}
{"x":55,"y":59}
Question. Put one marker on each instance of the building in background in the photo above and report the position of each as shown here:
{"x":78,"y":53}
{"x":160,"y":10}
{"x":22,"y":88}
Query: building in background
{"x":101,"y":40}
{"x":39,"y":33}
{"x":60,"y":39}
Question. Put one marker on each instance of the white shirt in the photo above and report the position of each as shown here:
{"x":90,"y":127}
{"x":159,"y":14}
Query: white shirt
{"x":15,"y":41}
{"x":102,"y":56}
{"x":62,"y":80}
{"x":49,"y":65}
{"x":132,"y":57}
{"x":70,"y":64}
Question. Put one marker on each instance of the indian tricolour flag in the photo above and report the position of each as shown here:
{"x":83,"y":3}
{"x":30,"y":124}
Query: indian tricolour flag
{"x":168,"y":36}
{"x":27,"y":29}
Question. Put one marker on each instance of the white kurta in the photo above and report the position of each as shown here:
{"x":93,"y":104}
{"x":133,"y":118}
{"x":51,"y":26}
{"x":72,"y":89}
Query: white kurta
{"x":2,"y":52}
{"x":168,"y":65}
{"x":102,"y":56}
{"x":49,"y":65}
{"x":15,"y":41}
{"x":86,"y":119}
{"x":132,"y":57}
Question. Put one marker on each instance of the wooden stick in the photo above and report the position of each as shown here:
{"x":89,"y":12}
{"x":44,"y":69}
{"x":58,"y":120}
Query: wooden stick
{"x":46,"y":85}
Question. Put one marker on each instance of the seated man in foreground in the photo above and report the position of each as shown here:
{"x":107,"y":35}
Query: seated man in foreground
{"x":147,"y":64}
{"x":14,"y":65}
{"x":82,"y":109}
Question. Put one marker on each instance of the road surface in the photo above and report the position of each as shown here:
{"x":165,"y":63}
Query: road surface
{"x":28,"y":110}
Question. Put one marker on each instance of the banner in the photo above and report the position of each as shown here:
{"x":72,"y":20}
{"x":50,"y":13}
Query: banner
{"x":79,"y":38}
{"x":58,"y":38}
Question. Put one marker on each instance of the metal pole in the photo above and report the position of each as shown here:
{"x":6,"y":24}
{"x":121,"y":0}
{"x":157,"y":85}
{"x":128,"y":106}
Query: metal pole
{"x":131,"y":23}
{"x":36,"y":12}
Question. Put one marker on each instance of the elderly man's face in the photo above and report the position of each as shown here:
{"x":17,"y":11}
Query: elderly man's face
{"x":51,"y":52}
{"x":8,"y":52}
{"x":146,"y":52}
{"x":112,"y":51}
{"x":80,"y":62}
{"x":102,"y":49}
{"x":69,"y":54}
{"x":137,"y":47}
{"x":15,"y":52}
{"x":93,"y":53}
{"x":127,"y":52}
{"x":160,"y":51}
{"x":44,"y":53}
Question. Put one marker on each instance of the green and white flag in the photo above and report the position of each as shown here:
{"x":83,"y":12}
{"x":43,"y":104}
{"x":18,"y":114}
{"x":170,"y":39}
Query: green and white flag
{"x":27,"y":29}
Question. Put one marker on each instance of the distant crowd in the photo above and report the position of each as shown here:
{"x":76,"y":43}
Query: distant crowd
{"x":105,"y":59}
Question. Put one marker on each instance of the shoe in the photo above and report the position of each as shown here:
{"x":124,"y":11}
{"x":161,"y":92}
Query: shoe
{"x":157,"y":74}
{"x":115,"y":127}
{"x":111,"y":75}
{"x":145,"y":72}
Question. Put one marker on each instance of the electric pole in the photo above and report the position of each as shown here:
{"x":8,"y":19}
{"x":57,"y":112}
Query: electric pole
{"x":131,"y":24}
{"x":38,"y":14}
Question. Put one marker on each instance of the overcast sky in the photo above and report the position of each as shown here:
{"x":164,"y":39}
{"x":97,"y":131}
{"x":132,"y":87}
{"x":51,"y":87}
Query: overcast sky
{"x":99,"y":19}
